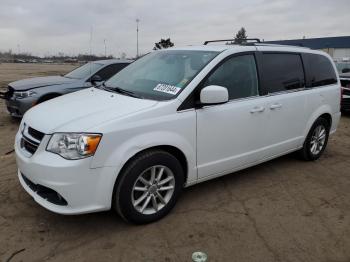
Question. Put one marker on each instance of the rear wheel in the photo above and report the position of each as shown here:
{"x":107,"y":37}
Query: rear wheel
{"x":149,"y":187}
{"x":316,"y":140}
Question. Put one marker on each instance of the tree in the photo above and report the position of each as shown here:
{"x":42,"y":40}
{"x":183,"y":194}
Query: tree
{"x":163,"y":43}
{"x":241,"y":36}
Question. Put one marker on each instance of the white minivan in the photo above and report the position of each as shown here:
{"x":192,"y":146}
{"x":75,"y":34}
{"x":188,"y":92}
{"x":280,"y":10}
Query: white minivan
{"x":174,"y":118}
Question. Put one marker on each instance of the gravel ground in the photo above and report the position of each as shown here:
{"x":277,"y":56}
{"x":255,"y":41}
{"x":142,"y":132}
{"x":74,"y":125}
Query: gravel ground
{"x":282,"y":210}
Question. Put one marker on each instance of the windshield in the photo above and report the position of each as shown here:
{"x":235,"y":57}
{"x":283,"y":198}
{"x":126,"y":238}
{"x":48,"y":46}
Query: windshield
{"x":84,"y":71}
{"x":161,"y":75}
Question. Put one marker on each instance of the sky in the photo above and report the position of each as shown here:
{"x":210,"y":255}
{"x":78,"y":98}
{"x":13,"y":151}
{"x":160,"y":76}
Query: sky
{"x":47,"y":27}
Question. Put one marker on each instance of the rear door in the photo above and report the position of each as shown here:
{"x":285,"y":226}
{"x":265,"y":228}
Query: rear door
{"x":283,"y":82}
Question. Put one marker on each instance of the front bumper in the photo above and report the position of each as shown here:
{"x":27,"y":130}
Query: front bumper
{"x":17,"y":107}
{"x":83,"y":188}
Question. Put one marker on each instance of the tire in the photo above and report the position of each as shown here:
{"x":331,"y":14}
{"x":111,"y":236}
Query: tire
{"x":310,"y":151}
{"x":160,"y":197}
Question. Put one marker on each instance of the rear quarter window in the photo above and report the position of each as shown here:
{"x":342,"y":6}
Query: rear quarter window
{"x":319,"y":70}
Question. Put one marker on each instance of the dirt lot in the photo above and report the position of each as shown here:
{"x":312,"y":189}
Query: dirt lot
{"x":283,"y":210}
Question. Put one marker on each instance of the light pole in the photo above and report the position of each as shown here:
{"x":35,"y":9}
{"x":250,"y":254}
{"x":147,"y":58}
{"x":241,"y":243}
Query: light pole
{"x":104,"y":41}
{"x":137,"y":37}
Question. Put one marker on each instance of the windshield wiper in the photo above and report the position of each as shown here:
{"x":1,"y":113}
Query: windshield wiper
{"x":101,"y":86}
{"x":120,"y":91}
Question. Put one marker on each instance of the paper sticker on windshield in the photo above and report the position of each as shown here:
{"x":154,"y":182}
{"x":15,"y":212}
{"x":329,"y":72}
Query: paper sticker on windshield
{"x":169,"y":89}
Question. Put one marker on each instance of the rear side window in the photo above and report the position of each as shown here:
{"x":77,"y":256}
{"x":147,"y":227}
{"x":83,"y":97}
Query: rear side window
{"x":319,"y":71}
{"x":282,"y":72}
{"x":110,"y":71}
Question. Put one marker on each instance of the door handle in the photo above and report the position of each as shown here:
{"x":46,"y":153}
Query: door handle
{"x":257,"y":109}
{"x":275,"y":106}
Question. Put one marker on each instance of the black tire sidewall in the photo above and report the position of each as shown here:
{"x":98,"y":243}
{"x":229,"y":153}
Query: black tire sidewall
{"x":132,"y":172}
{"x":307,"y":144}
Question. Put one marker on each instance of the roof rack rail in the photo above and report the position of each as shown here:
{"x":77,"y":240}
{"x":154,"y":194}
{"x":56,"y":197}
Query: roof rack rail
{"x":281,"y":45}
{"x":257,"y":40}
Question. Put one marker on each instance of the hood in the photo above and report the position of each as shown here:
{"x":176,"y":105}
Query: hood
{"x":36,"y":82}
{"x":83,"y":111}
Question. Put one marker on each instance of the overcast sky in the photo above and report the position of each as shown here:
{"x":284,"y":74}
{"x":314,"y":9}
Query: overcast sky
{"x":46,"y":27}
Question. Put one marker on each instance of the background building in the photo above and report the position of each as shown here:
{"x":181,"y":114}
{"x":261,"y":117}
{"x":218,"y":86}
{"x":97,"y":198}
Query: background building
{"x":336,"y":47}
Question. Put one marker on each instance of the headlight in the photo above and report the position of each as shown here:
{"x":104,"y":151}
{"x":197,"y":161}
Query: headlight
{"x":23,"y":94}
{"x":73,"y":145}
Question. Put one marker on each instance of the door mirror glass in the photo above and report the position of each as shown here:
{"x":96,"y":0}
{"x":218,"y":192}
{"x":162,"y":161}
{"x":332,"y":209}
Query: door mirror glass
{"x":346,"y":70}
{"x":95,"y":79}
{"x":211,"y":95}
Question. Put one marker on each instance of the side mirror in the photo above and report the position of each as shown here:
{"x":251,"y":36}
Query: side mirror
{"x":95,"y":79}
{"x":345,"y":70}
{"x":212,"y":95}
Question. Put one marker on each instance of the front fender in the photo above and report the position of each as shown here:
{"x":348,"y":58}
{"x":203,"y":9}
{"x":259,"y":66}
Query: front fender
{"x":130,"y":147}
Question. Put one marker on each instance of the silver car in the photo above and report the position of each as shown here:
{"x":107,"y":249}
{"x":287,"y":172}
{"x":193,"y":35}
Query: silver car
{"x":23,"y":94}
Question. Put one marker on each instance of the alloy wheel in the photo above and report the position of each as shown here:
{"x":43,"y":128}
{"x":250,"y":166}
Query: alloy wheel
{"x":318,"y":139}
{"x":153,"y":189}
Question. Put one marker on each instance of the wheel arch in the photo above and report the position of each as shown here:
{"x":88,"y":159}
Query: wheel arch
{"x":325,"y":112}
{"x":175,"y":151}
{"x":328,"y":117}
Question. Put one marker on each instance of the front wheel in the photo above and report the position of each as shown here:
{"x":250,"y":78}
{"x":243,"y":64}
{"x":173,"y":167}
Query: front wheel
{"x":316,"y":140}
{"x":149,"y":187}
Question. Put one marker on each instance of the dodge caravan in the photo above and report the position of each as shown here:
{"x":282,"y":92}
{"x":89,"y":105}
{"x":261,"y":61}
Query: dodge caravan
{"x":174,"y":118}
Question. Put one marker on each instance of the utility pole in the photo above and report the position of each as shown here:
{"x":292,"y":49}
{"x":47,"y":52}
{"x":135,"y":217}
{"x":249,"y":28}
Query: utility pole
{"x":104,"y":41}
{"x":137,"y":37}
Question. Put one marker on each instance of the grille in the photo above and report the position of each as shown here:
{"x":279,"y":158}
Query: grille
{"x":346,"y":92}
{"x":345,"y":105}
{"x":31,"y":139}
{"x":29,"y":145}
{"x":345,"y":83}
{"x":35,"y":133}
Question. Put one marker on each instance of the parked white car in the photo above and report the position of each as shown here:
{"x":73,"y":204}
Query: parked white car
{"x":172,"y":119}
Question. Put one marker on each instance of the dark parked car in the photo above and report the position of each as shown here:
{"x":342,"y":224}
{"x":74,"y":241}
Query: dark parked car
{"x":345,"y":86}
{"x":23,"y":94}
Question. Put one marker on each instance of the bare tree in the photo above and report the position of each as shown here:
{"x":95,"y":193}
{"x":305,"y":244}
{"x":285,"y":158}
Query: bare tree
{"x":163,"y":43}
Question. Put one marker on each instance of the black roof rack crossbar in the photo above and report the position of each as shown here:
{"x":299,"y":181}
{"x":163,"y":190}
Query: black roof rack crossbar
{"x":257,"y":40}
